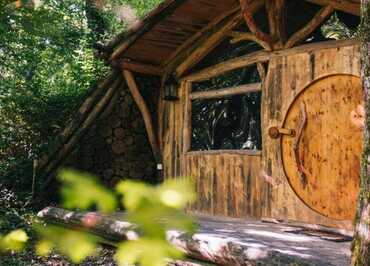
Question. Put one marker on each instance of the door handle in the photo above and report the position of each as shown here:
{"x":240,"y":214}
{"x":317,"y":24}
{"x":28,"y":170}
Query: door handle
{"x":300,"y":166}
{"x":276,"y":132}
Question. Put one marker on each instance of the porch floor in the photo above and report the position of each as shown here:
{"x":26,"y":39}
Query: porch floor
{"x":227,"y":241}
{"x":260,"y":240}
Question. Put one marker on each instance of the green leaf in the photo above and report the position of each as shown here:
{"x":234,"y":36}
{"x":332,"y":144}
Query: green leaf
{"x":176,"y":193}
{"x":83,"y":191}
{"x":146,"y":252}
{"x":135,"y":193}
{"x":76,"y":245}
{"x":14,"y":241}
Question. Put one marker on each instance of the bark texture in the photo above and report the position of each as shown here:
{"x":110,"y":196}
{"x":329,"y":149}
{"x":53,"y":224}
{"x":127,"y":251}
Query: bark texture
{"x":361,"y":242}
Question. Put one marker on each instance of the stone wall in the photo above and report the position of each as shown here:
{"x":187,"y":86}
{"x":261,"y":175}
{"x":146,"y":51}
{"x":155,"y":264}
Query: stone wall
{"x":117,"y":147}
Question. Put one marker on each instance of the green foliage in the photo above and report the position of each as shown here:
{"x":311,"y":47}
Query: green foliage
{"x":76,"y":245}
{"x":153,"y":209}
{"x":14,"y":241}
{"x":140,"y":6}
{"x":82,"y":191}
{"x":47,"y":67}
{"x":335,"y":29}
{"x":146,"y":252}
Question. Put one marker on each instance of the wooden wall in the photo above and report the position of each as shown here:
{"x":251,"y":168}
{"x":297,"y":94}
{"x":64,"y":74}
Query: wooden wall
{"x":232,"y":183}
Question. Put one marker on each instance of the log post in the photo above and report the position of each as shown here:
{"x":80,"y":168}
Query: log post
{"x":141,"y":104}
{"x":276,"y":11}
{"x":361,"y":241}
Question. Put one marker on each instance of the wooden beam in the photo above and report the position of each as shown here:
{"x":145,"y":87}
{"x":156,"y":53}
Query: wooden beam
{"x":247,"y":36}
{"x":162,"y":11}
{"x":189,"y":43}
{"x":221,"y":93}
{"x":261,"y":71}
{"x":214,"y":34}
{"x":247,"y":12}
{"x":311,"y":26}
{"x":341,"y":5}
{"x":82,"y":114}
{"x":67,"y":148}
{"x":148,"y":121}
{"x":277,"y":17}
{"x":243,"y":61}
{"x":214,"y":37}
{"x":262,"y":56}
{"x":137,"y":67}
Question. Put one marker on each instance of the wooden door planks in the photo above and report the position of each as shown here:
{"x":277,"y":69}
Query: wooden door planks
{"x":288,"y":76}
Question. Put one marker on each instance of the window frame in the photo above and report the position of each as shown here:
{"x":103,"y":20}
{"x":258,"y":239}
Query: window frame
{"x":190,"y":96}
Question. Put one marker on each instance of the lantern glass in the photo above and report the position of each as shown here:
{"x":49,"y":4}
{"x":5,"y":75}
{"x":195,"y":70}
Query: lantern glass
{"x":170,"y":90}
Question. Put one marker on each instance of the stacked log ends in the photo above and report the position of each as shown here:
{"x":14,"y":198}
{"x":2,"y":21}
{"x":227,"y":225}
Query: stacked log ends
{"x":116,"y":147}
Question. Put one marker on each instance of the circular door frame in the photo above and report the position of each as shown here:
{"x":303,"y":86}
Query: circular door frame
{"x":281,"y":139}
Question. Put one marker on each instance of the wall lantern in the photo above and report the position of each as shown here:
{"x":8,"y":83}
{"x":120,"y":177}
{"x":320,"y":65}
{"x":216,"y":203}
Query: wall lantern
{"x":170,"y":89}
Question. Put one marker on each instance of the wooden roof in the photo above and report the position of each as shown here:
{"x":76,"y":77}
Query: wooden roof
{"x":166,"y":36}
{"x":176,"y":25}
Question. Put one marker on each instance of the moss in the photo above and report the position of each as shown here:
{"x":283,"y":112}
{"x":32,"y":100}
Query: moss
{"x":361,"y":248}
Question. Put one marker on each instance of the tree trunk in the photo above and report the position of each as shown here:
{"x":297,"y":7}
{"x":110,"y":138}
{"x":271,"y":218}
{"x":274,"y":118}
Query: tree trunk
{"x":361,"y":241}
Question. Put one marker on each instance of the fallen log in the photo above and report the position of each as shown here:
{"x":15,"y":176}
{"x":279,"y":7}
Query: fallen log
{"x":98,"y":224}
{"x":208,"y":247}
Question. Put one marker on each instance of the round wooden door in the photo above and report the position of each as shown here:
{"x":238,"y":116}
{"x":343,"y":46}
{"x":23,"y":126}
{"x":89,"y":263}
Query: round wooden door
{"x":322,"y":158}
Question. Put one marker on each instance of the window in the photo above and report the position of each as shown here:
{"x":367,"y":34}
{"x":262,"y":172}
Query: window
{"x":226,"y":112}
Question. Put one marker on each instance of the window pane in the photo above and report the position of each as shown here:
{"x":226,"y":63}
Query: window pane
{"x":232,"y":123}
{"x":231,"y":78}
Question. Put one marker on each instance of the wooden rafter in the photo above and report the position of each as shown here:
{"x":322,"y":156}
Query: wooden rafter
{"x":246,"y":7}
{"x":75,"y":124}
{"x":221,"y":93}
{"x":311,"y":26}
{"x":164,"y":10}
{"x":341,"y":5}
{"x":138,"y":67}
{"x":144,"y":110}
{"x":200,"y":49}
{"x":247,"y":36}
{"x":213,"y":36}
{"x":261,"y":56}
{"x":196,"y":37}
{"x":70,"y":145}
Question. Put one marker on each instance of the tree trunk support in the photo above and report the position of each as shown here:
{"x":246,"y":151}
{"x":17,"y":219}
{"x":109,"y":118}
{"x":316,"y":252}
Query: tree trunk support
{"x":361,"y":241}
{"x":139,"y":100}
